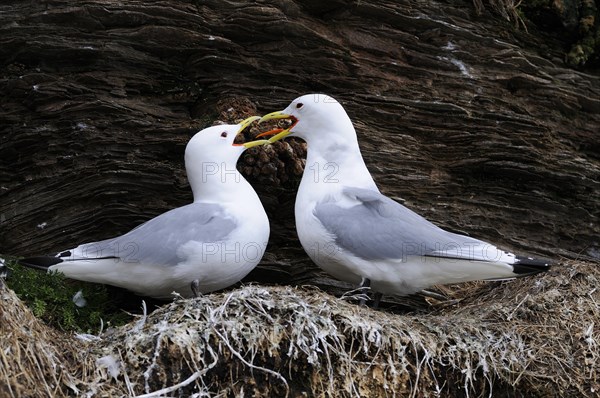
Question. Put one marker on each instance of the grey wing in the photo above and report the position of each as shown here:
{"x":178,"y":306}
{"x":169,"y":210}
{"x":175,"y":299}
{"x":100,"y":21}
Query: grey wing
{"x":158,"y":240}
{"x":379,"y":228}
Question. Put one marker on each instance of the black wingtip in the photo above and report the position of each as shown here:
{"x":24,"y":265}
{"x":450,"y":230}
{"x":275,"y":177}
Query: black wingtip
{"x":42,"y":262}
{"x":528,"y":265}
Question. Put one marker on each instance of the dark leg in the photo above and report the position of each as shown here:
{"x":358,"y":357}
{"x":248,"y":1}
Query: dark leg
{"x":195,"y":287}
{"x":434,"y":295}
{"x":377,"y":300}
{"x":364,"y":286}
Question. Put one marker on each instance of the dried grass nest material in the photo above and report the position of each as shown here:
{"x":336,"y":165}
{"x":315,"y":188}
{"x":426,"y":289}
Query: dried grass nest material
{"x":35,"y":360}
{"x":529,"y":337}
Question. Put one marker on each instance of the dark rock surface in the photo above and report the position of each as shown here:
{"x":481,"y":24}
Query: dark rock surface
{"x":481,"y":128}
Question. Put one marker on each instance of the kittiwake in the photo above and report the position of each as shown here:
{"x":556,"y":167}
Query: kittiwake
{"x":204,"y":246}
{"x":358,"y":235}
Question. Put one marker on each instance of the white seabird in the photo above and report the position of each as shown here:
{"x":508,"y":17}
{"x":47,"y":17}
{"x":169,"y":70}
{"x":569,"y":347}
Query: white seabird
{"x":358,"y":235}
{"x":207,"y":245}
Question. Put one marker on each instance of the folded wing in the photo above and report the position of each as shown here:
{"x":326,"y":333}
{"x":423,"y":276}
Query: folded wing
{"x":378,"y":228}
{"x":156,"y":242}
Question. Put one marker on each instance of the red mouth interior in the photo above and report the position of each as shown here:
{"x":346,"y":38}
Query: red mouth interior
{"x":279,"y":129}
{"x":242,"y":136}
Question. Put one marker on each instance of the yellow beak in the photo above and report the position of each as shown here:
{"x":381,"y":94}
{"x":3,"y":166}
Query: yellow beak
{"x":245,"y":123}
{"x":274,"y":115}
{"x":279,"y":133}
{"x":251,"y":144}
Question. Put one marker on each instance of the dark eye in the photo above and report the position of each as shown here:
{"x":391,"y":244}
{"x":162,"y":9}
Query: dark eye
{"x":299,"y":105}
{"x":224,"y":134}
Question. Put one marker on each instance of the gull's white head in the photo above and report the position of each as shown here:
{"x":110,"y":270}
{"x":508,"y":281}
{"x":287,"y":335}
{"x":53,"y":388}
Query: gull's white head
{"x":331,"y":139}
{"x":315,"y":117}
{"x":211,"y":155}
{"x":215,"y":144}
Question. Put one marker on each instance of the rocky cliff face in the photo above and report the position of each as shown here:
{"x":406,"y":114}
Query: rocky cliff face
{"x":477,"y":126}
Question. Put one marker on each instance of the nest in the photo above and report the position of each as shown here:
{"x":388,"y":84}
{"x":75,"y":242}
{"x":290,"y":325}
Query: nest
{"x":529,"y":337}
{"x":35,"y":360}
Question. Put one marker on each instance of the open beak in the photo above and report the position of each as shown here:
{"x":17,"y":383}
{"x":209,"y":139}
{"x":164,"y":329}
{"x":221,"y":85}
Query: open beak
{"x":277,"y":133}
{"x":243,"y":125}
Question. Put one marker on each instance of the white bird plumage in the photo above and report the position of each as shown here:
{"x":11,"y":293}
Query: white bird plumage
{"x":207,"y":245}
{"x":356,"y":234}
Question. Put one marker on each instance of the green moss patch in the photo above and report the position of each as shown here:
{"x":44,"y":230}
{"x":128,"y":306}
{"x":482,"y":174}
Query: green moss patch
{"x":50,"y":297}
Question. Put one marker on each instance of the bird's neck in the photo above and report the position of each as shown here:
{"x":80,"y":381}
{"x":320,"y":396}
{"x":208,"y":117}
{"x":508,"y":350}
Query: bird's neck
{"x":214,"y":182}
{"x":335,"y":163}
